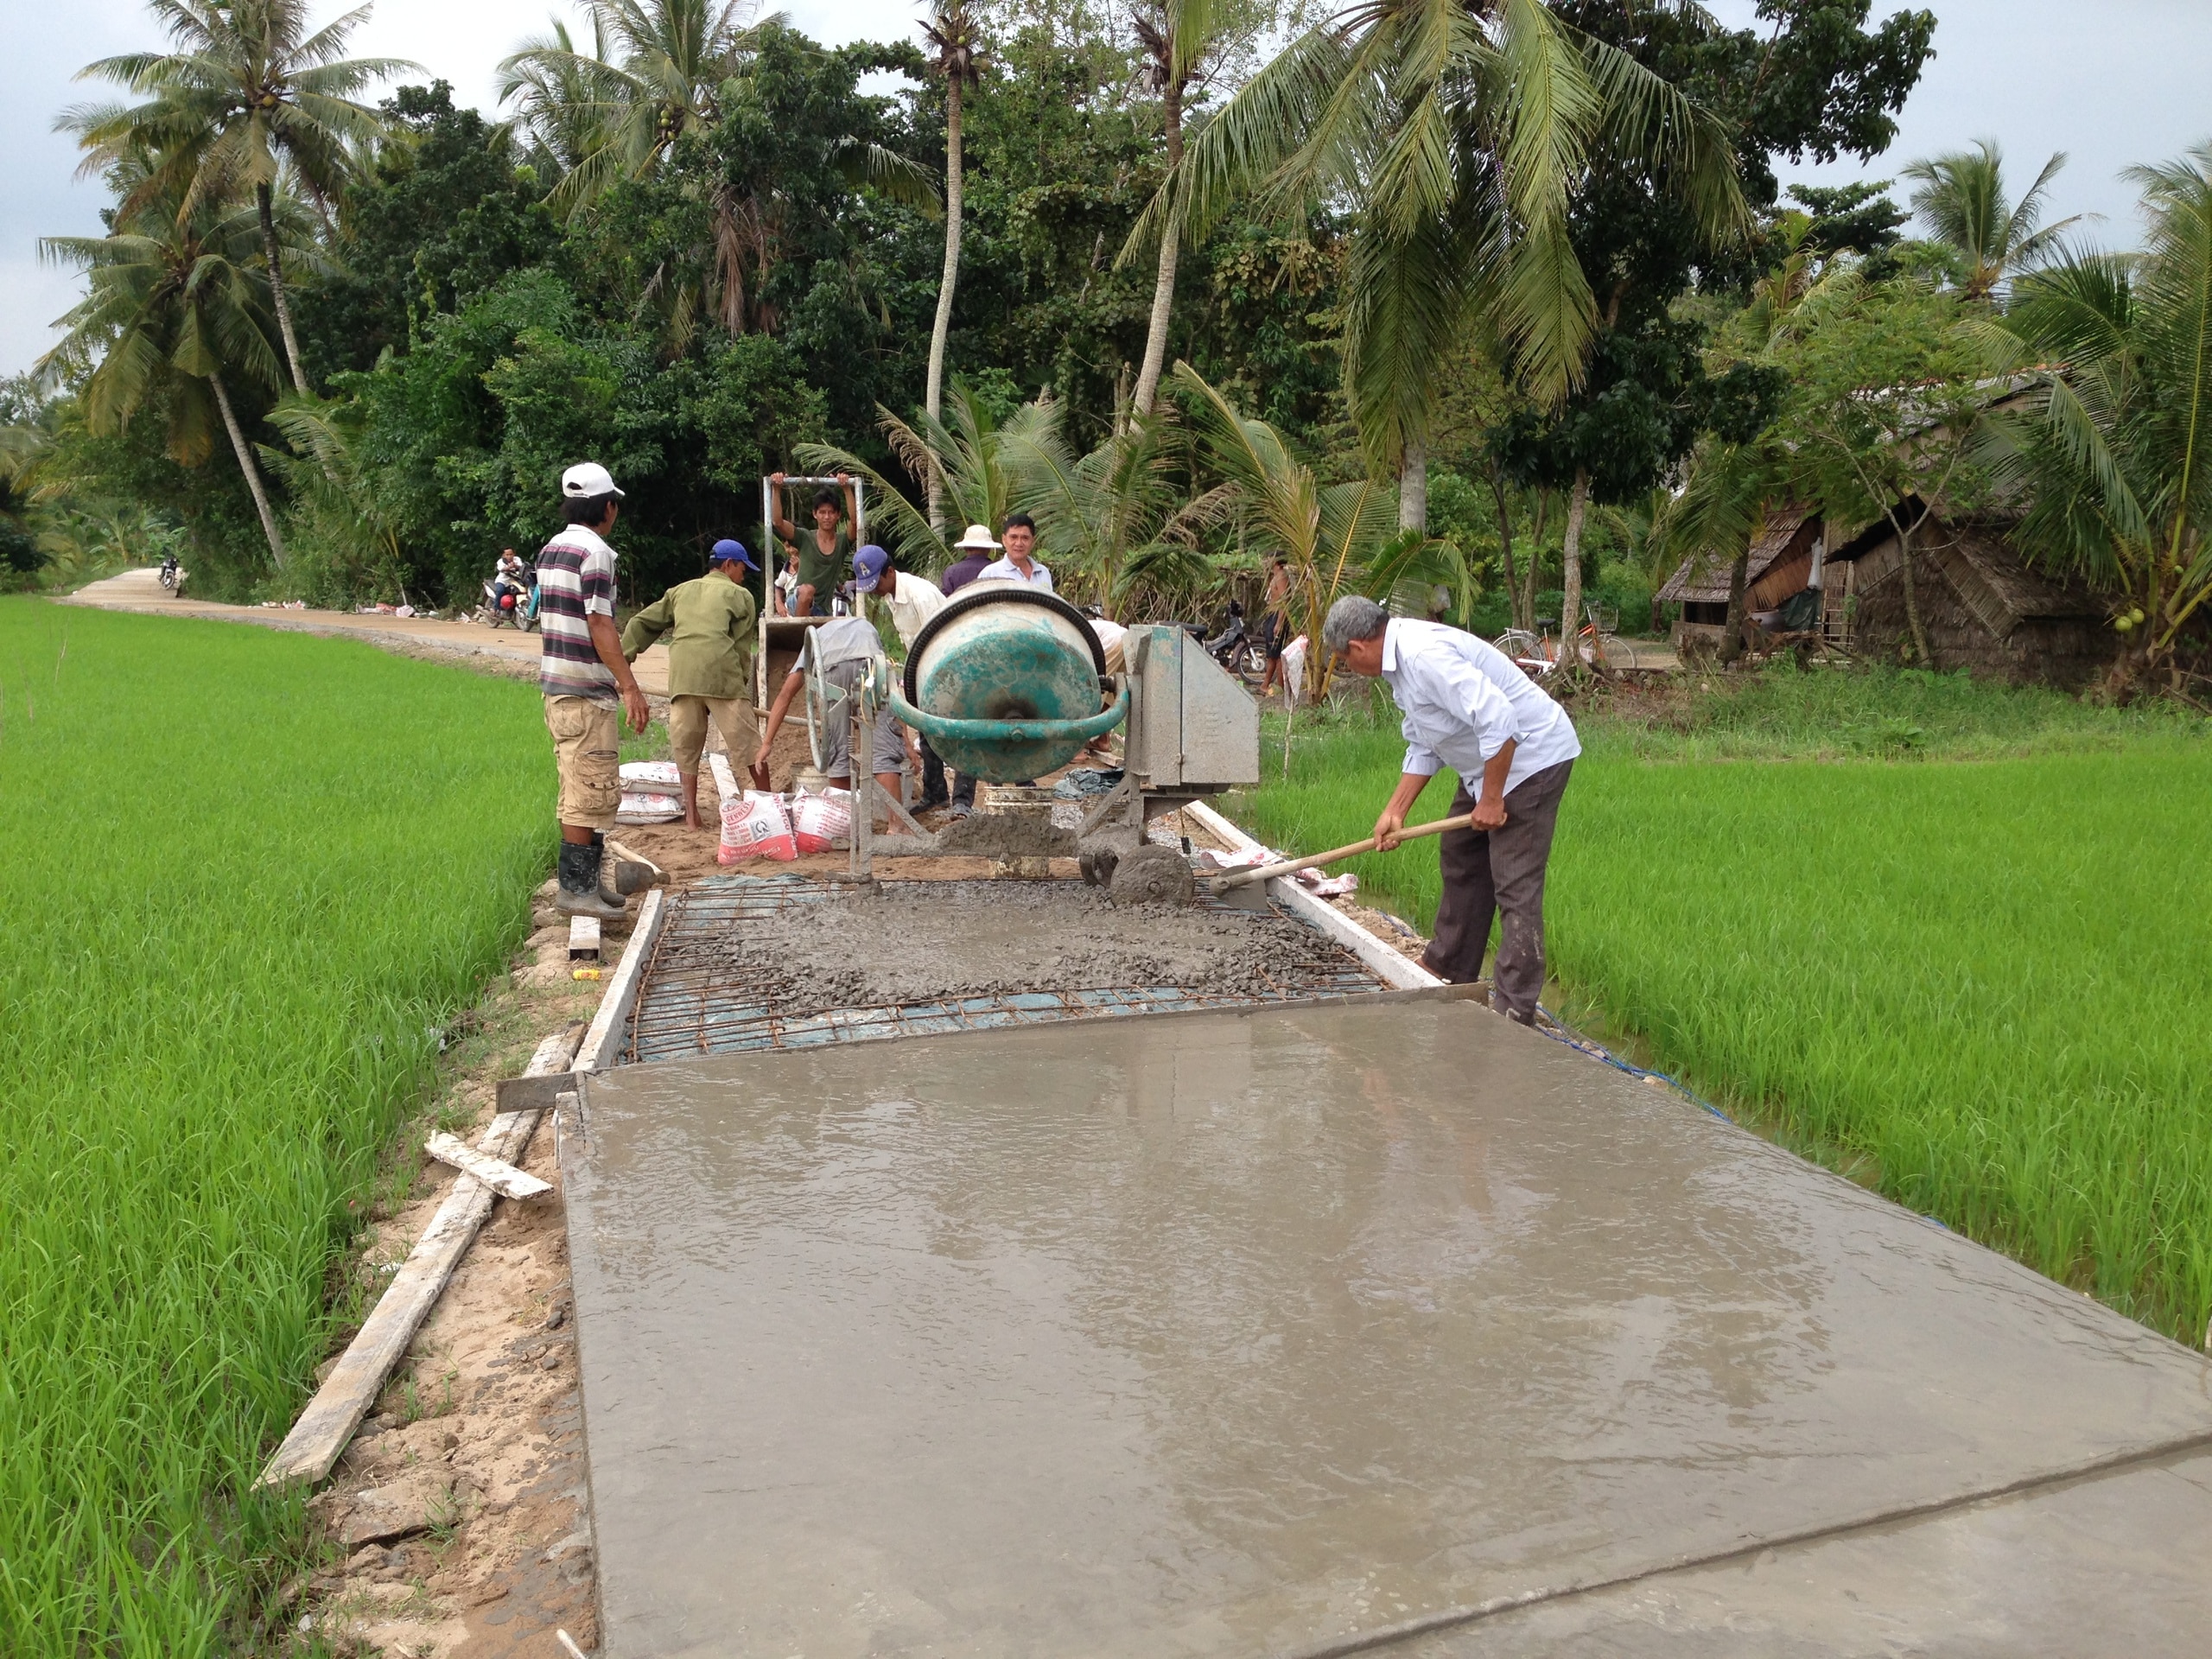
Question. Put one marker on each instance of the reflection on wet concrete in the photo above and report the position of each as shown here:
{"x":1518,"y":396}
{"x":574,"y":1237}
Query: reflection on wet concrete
{"x":1235,"y":1334}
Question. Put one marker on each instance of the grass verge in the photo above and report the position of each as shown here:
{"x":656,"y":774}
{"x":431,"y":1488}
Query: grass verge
{"x":1979,"y":988}
{"x":251,"y":874}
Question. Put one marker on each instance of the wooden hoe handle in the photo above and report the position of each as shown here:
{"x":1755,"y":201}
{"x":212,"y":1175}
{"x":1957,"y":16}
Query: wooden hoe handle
{"x":1241,"y":878}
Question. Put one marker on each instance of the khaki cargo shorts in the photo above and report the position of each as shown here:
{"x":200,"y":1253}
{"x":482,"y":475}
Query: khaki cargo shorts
{"x":588,"y":745}
{"x":733,"y":719}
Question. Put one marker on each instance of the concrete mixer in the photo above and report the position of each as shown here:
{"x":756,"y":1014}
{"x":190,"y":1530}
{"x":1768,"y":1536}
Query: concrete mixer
{"x":1009,"y":682}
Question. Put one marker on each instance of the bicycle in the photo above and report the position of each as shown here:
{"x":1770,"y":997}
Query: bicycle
{"x":1596,"y":643}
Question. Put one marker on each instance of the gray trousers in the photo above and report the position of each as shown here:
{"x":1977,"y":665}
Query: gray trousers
{"x":1499,"y":872}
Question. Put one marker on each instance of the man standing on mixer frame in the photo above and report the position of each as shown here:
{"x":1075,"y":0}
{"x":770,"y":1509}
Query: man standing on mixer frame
{"x":825,"y":548}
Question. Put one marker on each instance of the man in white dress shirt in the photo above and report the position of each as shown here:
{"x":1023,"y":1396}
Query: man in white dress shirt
{"x":1019,"y":564}
{"x":1468,"y":706}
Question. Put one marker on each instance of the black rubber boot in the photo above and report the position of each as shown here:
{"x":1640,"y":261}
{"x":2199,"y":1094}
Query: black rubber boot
{"x":580,"y":894}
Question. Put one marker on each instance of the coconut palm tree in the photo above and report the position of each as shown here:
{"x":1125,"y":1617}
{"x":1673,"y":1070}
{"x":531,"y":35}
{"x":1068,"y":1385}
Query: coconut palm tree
{"x":560,"y":95}
{"x":1112,"y":515}
{"x":1176,"y":36}
{"x":251,"y":96}
{"x":177,"y":310}
{"x":1329,"y":534}
{"x":1961,"y":202}
{"x":620,"y":113}
{"x":1460,"y":129}
{"x":956,"y":37}
{"x":2116,"y":451}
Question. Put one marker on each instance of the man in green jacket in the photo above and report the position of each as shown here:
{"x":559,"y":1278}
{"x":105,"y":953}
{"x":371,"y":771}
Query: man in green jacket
{"x":709,"y":625}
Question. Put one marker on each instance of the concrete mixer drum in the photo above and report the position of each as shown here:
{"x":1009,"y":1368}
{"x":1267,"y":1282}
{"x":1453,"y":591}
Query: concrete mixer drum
{"x":1008,"y":683}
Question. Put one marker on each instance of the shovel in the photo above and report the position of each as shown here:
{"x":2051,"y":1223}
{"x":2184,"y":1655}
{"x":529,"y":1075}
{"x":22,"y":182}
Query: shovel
{"x":1239,"y":879}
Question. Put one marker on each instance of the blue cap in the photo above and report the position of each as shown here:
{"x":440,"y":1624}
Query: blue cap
{"x":868,"y":565}
{"x":726,"y":551}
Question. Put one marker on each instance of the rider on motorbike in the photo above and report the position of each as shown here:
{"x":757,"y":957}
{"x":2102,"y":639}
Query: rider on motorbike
{"x":512,"y":577}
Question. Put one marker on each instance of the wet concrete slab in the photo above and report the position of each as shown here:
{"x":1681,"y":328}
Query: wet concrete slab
{"x":1296,"y":1332}
{"x":2113,"y":1564}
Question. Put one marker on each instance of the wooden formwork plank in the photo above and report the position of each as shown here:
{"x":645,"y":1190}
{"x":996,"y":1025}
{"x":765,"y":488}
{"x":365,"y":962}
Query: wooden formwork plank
{"x":605,"y":1037}
{"x":328,"y":1424}
{"x":1394,"y":966}
{"x":501,"y":1177}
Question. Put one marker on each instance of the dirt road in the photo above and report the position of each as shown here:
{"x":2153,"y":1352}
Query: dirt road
{"x":142,"y":590}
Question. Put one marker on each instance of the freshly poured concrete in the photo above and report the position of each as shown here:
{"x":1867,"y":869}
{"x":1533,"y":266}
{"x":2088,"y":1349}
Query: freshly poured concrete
{"x":1249,"y":1334}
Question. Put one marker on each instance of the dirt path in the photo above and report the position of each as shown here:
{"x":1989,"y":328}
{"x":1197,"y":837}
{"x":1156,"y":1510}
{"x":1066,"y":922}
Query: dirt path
{"x":142,"y":591}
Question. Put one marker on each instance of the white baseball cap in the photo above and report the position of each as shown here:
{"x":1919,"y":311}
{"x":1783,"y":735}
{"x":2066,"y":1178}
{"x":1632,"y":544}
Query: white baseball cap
{"x":586,"y":479}
{"x":978,"y":536}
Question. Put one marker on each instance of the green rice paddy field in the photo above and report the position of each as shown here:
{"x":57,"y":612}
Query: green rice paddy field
{"x":247,"y":877}
{"x":1977,"y":978}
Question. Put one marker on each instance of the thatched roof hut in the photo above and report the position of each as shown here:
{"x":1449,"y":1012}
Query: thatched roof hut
{"x":1981,"y":605}
{"x":1781,"y":565}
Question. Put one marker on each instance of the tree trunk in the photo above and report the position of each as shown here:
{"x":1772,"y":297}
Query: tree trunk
{"x":1570,"y":604}
{"x":1413,"y":488}
{"x":1536,"y":560}
{"x":266,"y":200}
{"x":934,"y":401}
{"x":1505,"y":552}
{"x":246,"y":466}
{"x":1732,"y":635}
{"x":1921,"y":654}
{"x":1163,"y":289}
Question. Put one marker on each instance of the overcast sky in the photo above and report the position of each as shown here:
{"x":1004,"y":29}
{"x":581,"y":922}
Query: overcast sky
{"x":2112,"y":83}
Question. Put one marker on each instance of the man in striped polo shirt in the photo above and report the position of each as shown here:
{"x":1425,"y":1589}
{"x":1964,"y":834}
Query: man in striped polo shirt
{"x":588,"y":684}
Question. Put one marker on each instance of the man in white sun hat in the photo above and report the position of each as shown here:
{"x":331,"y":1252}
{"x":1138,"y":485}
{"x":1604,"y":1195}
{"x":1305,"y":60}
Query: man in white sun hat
{"x":976,"y":550}
{"x":587,"y":683}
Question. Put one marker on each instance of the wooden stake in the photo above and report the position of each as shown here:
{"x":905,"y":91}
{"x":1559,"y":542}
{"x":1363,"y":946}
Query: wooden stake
{"x":501,"y":1177}
{"x":583,"y":938}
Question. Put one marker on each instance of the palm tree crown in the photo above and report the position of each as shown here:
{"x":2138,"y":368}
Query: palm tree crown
{"x":174,"y":310}
{"x":2116,"y":451}
{"x":250,"y":95}
{"x":614,"y":116}
{"x":1460,"y":128}
{"x":1961,"y":202}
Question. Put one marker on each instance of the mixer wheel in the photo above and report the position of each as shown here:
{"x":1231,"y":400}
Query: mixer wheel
{"x":1150,"y":876}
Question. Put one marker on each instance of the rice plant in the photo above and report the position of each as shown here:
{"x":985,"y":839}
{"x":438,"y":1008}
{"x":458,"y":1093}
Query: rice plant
{"x":249,"y":876}
{"x":1979,"y":987}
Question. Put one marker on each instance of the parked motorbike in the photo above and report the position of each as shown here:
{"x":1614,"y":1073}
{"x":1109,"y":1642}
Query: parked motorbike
{"x":517,"y":610}
{"x":1234,"y":648}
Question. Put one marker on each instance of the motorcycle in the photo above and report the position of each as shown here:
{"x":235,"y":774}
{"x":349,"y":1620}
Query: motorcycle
{"x":517,"y":609}
{"x":1234,"y":648}
{"x":172,"y":575}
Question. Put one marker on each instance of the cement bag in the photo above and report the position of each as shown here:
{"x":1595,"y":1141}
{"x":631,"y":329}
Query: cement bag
{"x":1294,"y":670}
{"x":820,"y":821}
{"x":640,"y":808}
{"x":755,"y":825}
{"x":651,"y":777}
